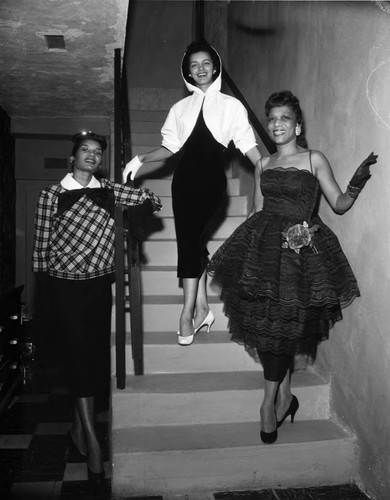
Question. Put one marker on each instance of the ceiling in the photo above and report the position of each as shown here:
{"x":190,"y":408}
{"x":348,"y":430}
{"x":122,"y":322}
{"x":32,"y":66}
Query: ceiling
{"x":38,"y":82}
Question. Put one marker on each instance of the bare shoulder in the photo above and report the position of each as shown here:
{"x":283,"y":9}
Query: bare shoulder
{"x":319,"y":161}
{"x":266,"y":160}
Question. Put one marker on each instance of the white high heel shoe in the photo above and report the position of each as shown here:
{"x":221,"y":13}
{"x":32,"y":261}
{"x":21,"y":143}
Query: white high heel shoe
{"x":185,"y":340}
{"x":209,"y":320}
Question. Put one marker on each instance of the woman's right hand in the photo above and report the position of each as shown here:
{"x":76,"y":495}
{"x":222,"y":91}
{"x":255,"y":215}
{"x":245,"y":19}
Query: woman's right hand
{"x":131,"y":168}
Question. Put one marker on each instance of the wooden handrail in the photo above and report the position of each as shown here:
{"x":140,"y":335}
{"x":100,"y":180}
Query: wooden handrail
{"x":251,"y":115}
{"x":117,"y":116}
{"x":120,"y":321}
{"x":127,"y":250}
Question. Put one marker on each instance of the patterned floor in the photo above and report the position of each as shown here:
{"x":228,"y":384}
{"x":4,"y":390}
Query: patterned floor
{"x":36,"y":462}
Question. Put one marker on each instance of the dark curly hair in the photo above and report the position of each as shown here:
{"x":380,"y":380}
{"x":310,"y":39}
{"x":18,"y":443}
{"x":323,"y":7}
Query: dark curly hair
{"x":78,"y":138}
{"x":200,"y":46}
{"x":287,"y":98}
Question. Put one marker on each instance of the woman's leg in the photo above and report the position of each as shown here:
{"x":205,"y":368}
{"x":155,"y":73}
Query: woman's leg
{"x":267,"y":409}
{"x":77,"y":433}
{"x":201,"y":304}
{"x":190,"y":290}
{"x":86,"y":410}
{"x":195,"y":299}
{"x":276,"y":380}
{"x":284,"y":396}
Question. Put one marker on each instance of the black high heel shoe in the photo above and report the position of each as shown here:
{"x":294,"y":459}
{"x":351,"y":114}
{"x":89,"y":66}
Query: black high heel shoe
{"x":96,"y":478}
{"x":291,"y":410}
{"x":269,"y":437}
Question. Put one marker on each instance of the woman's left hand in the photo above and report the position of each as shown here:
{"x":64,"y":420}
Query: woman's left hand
{"x":362,"y":174}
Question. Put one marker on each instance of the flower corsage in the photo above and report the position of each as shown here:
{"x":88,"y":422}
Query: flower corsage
{"x":298,"y":236}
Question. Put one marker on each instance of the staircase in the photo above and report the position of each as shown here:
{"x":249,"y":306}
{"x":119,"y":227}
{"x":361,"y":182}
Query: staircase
{"x":190,"y":425}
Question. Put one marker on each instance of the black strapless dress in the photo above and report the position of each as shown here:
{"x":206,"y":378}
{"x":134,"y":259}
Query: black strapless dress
{"x":278,"y":299}
{"x":198,"y":188}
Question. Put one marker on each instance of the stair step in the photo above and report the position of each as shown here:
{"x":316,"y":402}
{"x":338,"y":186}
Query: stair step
{"x":164,"y":281}
{"x":164,"y":252}
{"x":236,"y":206}
{"x":229,"y":456}
{"x":137,"y":115}
{"x":206,"y":398}
{"x":162,"y":313}
{"x":162,"y":187}
{"x":213,"y":352}
{"x":146,"y":127}
{"x":157,"y":169}
{"x":166,"y":228}
{"x":147,"y":138}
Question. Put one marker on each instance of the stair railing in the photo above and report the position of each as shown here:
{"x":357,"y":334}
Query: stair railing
{"x":270,"y":146}
{"x":127,"y":251}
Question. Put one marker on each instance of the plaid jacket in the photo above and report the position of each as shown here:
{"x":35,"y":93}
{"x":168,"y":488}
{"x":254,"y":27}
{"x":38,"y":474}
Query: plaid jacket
{"x":79,"y":244}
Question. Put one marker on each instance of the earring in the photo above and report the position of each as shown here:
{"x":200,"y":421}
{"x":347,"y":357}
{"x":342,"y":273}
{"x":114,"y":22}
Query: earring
{"x":298,"y":130}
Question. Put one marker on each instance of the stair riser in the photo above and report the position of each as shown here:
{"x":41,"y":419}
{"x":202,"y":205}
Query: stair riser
{"x":233,"y":469}
{"x":139,"y":410}
{"x":142,"y":115}
{"x":150,"y":138}
{"x":237,"y":206}
{"x":163,"y":187}
{"x":164,"y":253}
{"x":196,"y":358}
{"x":165,"y":318}
{"x":167,"y":229}
{"x":166,"y":283}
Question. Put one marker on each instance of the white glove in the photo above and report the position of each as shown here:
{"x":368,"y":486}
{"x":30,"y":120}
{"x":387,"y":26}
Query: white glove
{"x":131,"y":168}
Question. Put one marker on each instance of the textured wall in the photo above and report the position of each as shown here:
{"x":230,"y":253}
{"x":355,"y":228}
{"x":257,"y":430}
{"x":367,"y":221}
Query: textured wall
{"x":157,"y":36}
{"x":35,"y":81}
{"x":335,"y":56}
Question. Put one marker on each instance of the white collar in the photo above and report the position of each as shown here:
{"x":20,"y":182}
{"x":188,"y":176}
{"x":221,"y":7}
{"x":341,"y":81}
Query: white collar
{"x":69,"y":183}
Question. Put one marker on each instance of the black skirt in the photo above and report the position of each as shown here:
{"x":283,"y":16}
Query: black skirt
{"x":81,"y":319}
{"x":198,"y":191}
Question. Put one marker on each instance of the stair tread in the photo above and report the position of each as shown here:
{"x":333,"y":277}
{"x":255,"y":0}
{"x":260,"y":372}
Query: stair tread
{"x":225,"y":435}
{"x":202,"y":337}
{"x":210,"y":382}
{"x":158,"y":268}
{"x":173,"y":299}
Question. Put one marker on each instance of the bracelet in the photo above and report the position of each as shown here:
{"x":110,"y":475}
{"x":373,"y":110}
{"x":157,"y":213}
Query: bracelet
{"x":353,"y":191}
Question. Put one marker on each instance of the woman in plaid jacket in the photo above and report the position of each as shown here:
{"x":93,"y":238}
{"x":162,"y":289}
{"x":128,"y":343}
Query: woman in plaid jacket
{"x":74,"y":248}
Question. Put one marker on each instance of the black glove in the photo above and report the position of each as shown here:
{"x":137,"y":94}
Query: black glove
{"x":362,"y":174}
{"x":137,"y":219}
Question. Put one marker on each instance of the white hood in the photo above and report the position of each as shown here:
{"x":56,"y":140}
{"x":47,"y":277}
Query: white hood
{"x":214,"y":87}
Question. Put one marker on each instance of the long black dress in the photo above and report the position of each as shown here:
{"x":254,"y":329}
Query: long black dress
{"x":278,"y":299}
{"x":198,"y":187}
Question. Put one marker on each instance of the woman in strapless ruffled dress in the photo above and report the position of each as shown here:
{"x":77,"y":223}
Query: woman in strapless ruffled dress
{"x":283,"y":276}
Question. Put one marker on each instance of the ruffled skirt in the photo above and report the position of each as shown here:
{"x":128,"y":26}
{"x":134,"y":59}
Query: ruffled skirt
{"x":278,"y":300}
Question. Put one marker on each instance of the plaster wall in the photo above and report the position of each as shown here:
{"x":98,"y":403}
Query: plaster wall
{"x":335,"y":57}
{"x":157,"y":36}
